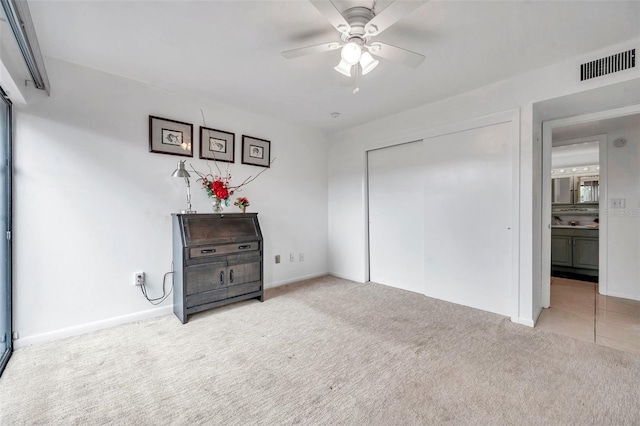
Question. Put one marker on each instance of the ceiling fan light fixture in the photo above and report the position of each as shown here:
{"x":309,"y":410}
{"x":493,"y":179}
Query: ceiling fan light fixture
{"x":351,"y":53}
{"x":368,"y":63}
{"x":343,"y":68}
{"x":375,"y":47}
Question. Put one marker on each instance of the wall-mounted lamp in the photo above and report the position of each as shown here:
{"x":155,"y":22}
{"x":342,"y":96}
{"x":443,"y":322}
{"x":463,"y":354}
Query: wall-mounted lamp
{"x":181,"y":172}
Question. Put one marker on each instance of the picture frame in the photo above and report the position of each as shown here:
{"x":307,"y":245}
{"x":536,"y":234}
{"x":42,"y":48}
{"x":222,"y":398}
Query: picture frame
{"x":217,"y":145}
{"x":255,"y":151}
{"x":170,"y":137}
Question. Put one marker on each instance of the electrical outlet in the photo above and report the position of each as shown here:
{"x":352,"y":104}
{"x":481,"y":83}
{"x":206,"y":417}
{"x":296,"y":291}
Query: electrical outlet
{"x":292,"y":257}
{"x":277,"y":258}
{"x":139,"y":278}
{"x":301,"y":257}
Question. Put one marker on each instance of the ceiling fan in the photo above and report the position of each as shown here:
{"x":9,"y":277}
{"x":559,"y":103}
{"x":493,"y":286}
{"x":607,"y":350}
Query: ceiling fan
{"x":357,"y":26}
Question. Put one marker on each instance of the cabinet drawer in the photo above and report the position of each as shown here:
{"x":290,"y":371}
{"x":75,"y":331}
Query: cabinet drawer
{"x":207,"y":277}
{"x":237,"y":259}
{"x":206,"y":251}
{"x":206,"y":297}
{"x":239,"y":290}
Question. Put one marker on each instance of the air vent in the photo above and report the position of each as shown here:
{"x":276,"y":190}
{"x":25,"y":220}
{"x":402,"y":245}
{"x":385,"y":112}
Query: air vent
{"x":610,"y":64}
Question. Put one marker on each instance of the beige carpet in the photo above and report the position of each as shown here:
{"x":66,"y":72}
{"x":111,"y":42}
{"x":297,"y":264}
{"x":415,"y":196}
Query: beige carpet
{"x":324,"y":351}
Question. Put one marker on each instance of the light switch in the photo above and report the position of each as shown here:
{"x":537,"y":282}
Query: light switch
{"x":617,"y":203}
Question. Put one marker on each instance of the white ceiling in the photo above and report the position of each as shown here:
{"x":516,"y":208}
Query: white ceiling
{"x":567,"y":152}
{"x":627,"y":124}
{"x":229,"y":51}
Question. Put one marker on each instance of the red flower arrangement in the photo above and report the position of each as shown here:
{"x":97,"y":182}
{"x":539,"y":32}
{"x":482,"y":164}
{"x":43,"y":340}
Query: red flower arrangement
{"x":242,"y":203}
{"x":217,"y":187}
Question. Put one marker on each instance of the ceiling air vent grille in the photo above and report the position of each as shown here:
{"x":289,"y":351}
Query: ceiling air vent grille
{"x":610,"y":64}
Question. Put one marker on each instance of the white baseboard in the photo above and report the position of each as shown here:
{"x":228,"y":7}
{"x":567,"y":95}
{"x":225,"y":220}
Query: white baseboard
{"x":295,"y":280}
{"x":620,"y":295}
{"x":345,"y":277}
{"x":524,"y":321}
{"x":38,"y":339}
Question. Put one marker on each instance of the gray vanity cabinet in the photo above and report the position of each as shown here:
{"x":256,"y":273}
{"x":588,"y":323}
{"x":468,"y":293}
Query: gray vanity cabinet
{"x":586,"y":253}
{"x":575,"y":250}
{"x":561,"y":250}
{"x":218,"y":259}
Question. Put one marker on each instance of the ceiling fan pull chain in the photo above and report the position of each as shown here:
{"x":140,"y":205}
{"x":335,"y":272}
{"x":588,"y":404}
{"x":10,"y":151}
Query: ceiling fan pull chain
{"x":356,"y":89}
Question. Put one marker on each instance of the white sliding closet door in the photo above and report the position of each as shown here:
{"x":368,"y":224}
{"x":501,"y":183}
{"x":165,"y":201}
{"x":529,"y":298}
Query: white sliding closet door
{"x":469,"y":194}
{"x":396,"y":216}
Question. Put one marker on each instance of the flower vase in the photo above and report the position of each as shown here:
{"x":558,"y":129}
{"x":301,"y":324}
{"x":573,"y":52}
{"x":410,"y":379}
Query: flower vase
{"x":243,"y":209}
{"x":217,"y":205}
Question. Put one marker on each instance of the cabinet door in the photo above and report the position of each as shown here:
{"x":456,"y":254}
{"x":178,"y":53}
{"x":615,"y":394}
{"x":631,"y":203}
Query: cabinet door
{"x":585,"y":253}
{"x":562,"y":190}
{"x":206,"y":277}
{"x":561,"y":253}
{"x":246,"y":273}
{"x":244,"y":278}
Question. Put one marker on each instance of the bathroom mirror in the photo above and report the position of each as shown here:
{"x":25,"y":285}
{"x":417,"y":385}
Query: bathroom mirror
{"x":562,"y":190}
{"x":587,"y":189}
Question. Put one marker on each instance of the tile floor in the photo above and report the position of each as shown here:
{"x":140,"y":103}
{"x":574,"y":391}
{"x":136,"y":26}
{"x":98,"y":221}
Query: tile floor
{"x":578,"y":311}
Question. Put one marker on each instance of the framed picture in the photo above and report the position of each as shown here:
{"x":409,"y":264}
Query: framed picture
{"x":170,"y":137}
{"x":256,"y":152}
{"x":217,"y":145}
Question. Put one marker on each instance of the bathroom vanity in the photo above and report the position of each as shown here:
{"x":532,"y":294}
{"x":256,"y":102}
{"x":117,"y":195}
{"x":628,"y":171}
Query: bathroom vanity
{"x":575,"y":249}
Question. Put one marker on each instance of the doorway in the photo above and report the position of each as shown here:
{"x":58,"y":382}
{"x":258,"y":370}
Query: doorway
{"x":606,"y":312}
{"x":618,"y":172}
{"x":575,"y":194}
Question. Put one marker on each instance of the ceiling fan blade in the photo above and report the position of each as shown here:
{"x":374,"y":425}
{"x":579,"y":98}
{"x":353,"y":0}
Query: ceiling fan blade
{"x":329,"y":10}
{"x":396,"y":54}
{"x":390,"y":15}
{"x":310,"y":50}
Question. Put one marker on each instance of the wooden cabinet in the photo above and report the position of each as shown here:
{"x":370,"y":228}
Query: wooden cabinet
{"x":218,"y":259}
{"x":575,"y":250}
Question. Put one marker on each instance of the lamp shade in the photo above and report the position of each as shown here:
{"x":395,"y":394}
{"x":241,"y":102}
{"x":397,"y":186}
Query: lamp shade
{"x":343,"y":68}
{"x":351,"y":53}
{"x":368,"y":63}
{"x":181,"y":172}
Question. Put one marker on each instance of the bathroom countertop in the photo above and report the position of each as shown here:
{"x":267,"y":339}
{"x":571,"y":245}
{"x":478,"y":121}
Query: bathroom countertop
{"x":575,"y":226}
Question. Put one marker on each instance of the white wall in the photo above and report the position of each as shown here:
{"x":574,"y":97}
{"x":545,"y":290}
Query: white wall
{"x":347,"y":242}
{"x":623,"y":225}
{"x":93,"y":205}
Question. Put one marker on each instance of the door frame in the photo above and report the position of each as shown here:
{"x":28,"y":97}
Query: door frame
{"x":545,"y":217}
{"x":4,"y":357}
